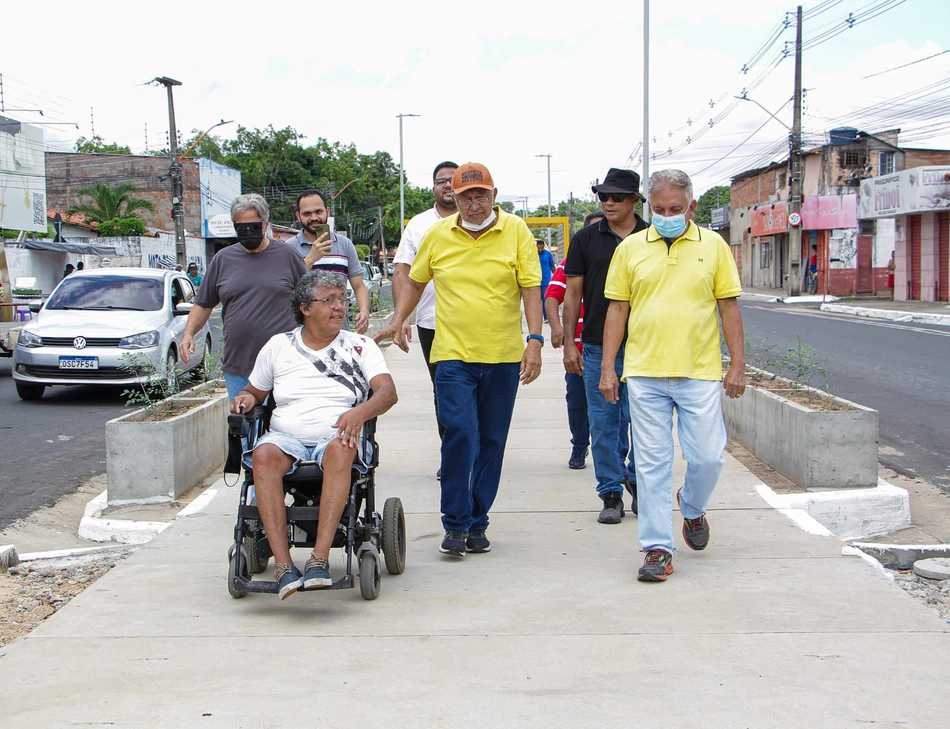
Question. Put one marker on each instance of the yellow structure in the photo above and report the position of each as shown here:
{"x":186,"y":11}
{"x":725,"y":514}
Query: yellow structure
{"x":562,"y":223}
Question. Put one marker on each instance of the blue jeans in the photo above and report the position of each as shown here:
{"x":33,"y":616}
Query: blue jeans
{"x":702,"y":436}
{"x":609,"y":426}
{"x":577,"y":418}
{"x":234,"y":384}
{"x":475,"y":406}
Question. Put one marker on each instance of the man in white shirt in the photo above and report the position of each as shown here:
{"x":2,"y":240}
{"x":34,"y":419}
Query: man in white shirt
{"x":320,"y":379}
{"x":408,"y":247}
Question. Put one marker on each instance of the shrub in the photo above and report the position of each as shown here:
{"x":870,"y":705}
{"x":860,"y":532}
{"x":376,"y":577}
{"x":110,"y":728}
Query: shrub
{"x":362,"y":250}
{"x":122,"y":227}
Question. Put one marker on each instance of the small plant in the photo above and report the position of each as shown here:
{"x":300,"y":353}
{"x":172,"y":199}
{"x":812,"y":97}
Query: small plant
{"x":158,"y":385}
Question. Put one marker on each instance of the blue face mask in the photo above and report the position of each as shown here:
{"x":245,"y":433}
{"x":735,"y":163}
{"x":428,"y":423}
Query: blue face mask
{"x":669,"y":227}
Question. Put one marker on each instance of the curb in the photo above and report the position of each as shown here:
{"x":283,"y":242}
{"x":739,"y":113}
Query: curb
{"x":890,"y":314}
{"x":95,"y":528}
{"x":845,"y":514}
{"x":902,"y":556}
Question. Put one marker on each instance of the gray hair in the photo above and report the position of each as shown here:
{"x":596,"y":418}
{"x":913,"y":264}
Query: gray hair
{"x":670,"y":178}
{"x":316,"y":279}
{"x":250,"y":201}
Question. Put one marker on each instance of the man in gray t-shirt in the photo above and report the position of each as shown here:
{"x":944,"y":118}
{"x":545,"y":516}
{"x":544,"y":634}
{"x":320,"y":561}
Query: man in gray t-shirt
{"x":253,"y":280}
{"x":329,"y":251}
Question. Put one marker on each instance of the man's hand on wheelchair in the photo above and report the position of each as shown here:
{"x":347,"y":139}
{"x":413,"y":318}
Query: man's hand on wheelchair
{"x":243,"y":402}
{"x":349,"y":427}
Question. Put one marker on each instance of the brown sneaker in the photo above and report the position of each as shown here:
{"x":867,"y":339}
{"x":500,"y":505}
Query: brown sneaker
{"x":695,"y":531}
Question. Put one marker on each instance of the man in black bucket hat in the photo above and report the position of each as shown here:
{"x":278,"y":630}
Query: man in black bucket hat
{"x":587,"y":262}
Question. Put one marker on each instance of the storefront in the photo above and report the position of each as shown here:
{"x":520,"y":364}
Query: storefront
{"x":918,"y":202}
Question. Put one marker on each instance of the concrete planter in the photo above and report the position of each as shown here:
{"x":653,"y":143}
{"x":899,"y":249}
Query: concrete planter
{"x":812,"y":448}
{"x":161,"y":460}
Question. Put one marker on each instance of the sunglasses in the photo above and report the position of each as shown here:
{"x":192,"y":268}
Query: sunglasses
{"x":615,"y":196}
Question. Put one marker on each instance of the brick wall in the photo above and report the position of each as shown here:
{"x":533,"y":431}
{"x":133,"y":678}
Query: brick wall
{"x":66,"y":173}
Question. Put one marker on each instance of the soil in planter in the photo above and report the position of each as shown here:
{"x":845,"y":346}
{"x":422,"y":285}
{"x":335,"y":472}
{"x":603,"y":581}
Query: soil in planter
{"x":168,"y":409}
{"x":812,"y":399}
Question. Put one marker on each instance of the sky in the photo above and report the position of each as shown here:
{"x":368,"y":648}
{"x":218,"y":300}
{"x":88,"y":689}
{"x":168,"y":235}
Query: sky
{"x":494,"y":83}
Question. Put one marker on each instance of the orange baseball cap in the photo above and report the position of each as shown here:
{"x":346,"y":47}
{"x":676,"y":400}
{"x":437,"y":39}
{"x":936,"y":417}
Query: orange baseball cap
{"x":470,"y":175}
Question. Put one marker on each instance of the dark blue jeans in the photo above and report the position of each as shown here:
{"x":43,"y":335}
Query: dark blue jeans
{"x":475,"y":406}
{"x":609,"y":426}
{"x":577,"y":418}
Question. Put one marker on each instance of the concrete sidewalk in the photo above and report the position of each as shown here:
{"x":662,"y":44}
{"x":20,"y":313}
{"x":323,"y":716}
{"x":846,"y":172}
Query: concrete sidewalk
{"x":769,"y":627}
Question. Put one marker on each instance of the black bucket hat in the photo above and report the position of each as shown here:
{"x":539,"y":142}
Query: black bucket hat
{"x":622,"y":181}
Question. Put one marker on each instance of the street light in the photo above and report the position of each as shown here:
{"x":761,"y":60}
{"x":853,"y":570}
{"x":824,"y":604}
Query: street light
{"x":746,"y":98}
{"x":550,"y":214}
{"x":355,"y":179}
{"x":402,"y":180}
{"x":205,"y":134}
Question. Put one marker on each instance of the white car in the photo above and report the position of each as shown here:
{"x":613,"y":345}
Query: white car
{"x":109,"y":326}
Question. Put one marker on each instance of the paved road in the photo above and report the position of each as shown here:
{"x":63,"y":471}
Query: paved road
{"x":50,"y":447}
{"x":901,"y":370}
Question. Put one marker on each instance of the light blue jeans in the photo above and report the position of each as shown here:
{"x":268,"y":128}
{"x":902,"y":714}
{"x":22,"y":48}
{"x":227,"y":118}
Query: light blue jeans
{"x":702,"y":436}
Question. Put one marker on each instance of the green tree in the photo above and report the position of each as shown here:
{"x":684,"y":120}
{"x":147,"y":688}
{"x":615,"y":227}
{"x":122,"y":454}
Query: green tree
{"x":97,"y":145}
{"x":110,"y":202}
{"x":714,"y":197}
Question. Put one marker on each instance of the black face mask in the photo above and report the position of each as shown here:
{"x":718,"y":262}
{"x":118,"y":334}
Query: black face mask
{"x":250,"y":235}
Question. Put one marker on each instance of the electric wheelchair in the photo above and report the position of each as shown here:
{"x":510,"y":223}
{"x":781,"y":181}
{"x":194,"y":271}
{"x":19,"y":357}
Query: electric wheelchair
{"x":362,"y":533}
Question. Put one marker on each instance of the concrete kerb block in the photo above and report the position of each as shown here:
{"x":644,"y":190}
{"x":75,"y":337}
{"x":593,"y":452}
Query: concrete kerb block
{"x":94,"y":527}
{"x":8,"y":557}
{"x":902,"y":556}
{"x":850,"y":514}
{"x":890,"y":314}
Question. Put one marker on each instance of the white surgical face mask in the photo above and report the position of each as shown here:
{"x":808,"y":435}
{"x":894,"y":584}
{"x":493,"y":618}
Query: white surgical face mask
{"x":475,"y":227}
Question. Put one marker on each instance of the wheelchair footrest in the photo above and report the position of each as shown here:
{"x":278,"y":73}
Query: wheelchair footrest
{"x":344,"y":583}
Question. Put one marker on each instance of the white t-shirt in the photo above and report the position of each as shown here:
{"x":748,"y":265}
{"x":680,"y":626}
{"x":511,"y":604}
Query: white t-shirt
{"x":408,"y":248}
{"x":312,"y":388}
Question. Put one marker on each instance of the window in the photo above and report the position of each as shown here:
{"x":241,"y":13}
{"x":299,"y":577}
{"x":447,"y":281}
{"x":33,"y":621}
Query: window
{"x":854,"y":158}
{"x":886,"y":163}
{"x":764,"y":260}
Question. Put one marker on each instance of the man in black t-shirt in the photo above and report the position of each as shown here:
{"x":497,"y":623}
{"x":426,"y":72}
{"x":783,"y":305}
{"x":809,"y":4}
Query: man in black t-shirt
{"x":587,"y":262}
{"x":252,"y":280}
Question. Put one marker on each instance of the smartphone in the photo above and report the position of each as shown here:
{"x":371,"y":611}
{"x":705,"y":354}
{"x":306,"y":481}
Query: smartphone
{"x":322,"y":228}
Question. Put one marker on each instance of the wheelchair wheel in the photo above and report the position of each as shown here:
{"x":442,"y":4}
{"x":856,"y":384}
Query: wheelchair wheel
{"x":237,"y":566}
{"x":369,"y":576}
{"x":394,"y":536}
{"x":255,"y":564}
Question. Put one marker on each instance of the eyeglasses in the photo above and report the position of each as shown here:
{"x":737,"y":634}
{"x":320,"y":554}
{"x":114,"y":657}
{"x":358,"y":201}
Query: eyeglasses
{"x":330,"y":301}
{"x":615,"y":196}
{"x":465,"y":202}
{"x":442,"y":181}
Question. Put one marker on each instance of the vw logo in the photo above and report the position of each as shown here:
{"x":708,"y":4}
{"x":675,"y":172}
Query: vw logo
{"x":79,"y":343}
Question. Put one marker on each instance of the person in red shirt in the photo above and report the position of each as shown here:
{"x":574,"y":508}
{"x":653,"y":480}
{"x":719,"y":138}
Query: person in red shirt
{"x":576,"y":396}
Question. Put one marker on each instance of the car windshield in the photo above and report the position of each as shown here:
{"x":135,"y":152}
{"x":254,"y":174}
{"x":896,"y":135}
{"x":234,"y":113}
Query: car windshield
{"x":109,"y":292}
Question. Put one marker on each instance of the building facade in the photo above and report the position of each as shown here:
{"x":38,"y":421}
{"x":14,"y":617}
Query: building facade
{"x":852,"y":255}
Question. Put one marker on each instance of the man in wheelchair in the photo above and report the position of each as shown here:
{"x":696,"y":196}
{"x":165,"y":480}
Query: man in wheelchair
{"x":325,"y":382}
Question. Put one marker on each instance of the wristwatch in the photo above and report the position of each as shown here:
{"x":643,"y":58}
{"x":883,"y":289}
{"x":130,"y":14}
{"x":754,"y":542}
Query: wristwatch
{"x":535,"y":336}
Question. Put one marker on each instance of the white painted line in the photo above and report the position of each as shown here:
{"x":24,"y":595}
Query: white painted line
{"x":59,"y":553}
{"x":198,"y":504}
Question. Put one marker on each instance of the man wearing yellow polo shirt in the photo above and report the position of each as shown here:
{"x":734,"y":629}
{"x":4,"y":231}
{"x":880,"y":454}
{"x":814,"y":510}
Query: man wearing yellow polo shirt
{"x":484,"y":264}
{"x":672,"y":284}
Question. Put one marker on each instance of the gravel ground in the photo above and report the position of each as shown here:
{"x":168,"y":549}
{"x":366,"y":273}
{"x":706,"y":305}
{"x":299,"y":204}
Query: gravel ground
{"x":935,"y":594}
{"x":32,"y":591}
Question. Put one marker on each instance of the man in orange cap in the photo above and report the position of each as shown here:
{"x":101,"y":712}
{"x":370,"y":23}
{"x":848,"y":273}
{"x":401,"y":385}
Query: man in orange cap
{"x":484,"y":263}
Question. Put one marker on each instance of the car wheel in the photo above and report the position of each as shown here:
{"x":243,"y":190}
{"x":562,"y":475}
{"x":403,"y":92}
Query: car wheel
{"x":27,"y":391}
{"x":203,"y":370}
{"x":171,"y":378}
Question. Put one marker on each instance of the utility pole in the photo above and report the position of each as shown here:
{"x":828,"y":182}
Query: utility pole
{"x":174,"y":174}
{"x":550,"y":211}
{"x":402,"y":181}
{"x":646,"y":106}
{"x":794,"y":282}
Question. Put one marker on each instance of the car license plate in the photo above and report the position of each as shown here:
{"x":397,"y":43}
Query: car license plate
{"x":79,"y":363}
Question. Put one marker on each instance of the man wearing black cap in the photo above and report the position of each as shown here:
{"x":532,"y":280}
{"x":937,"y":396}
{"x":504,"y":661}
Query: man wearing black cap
{"x":587,"y":262}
